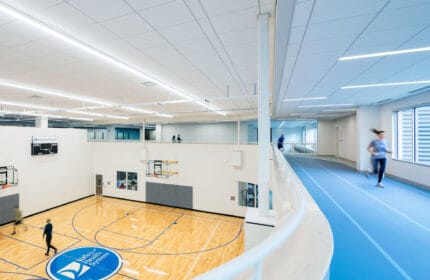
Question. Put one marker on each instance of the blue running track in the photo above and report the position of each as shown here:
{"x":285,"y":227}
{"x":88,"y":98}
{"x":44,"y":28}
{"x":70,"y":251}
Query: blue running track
{"x":378,"y":233}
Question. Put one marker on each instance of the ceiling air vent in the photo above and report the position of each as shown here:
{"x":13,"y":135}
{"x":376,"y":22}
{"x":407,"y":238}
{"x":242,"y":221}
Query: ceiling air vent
{"x":148,"y":84}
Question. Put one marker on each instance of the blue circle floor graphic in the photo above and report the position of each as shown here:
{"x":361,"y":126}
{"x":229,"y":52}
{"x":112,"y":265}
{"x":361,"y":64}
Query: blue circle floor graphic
{"x":90,"y":262}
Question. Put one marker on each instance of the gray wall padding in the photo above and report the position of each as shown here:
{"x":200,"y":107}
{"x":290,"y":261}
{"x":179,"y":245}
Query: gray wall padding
{"x":7,"y":203}
{"x":168,"y":194}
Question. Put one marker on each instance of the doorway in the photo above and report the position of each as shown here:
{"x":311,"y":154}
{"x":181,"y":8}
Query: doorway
{"x":99,"y":185}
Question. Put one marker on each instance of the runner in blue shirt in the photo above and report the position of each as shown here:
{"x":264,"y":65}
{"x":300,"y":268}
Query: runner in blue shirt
{"x":378,"y":149}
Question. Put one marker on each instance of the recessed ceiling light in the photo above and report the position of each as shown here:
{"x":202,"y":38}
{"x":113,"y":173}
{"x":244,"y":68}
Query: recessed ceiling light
{"x":304,"y":99}
{"x":97,"y":53}
{"x":324,"y":105}
{"x":379,"y":54}
{"x":386,"y":84}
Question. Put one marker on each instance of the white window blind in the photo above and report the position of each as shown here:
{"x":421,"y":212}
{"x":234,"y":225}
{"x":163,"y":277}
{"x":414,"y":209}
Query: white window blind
{"x":423,"y":135}
{"x":405,"y":135}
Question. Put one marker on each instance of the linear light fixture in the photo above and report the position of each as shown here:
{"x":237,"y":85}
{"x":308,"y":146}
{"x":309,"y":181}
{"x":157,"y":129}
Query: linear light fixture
{"x":53,"y":93}
{"x":89,"y":49}
{"x":97,"y":114}
{"x":325,"y":105}
{"x":339,"y":110}
{"x":136,"y":110}
{"x":26,"y":105}
{"x":379,"y":54}
{"x":102,"y":103}
{"x":304,"y":99}
{"x":89,"y":108}
{"x":387,"y":84}
{"x":45,"y":108}
{"x":173,"y":102}
{"x":304,"y":114}
{"x":282,"y":124}
{"x":210,"y":107}
{"x":164,"y":115}
{"x":46,"y":115}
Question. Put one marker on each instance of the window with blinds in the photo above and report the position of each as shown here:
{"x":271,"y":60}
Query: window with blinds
{"x":405,"y":135}
{"x":423,"y":135}
{"x":413,"y":135}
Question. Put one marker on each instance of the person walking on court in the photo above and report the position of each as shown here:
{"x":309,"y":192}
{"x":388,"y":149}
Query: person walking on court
{"x":378,"y":149}
{"x":174,"y":139}
{"x":281,"y":142}
{"x":18,"y":220}
{"x":179,"y":139}
{"x":48,"y":233}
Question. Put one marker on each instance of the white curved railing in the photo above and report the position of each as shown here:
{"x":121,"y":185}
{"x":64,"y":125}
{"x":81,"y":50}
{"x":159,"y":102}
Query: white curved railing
{"x":290,"y":204}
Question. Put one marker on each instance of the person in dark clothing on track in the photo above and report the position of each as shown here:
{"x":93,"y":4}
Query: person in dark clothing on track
{"x":281,"y":142}
{"x":47,"y":232}
{"x":378,"y":149}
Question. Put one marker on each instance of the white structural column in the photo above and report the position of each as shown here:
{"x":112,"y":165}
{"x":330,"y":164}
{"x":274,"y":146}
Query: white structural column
{"x":41,"y":122}
{"x":368,"y":117}
{"x":238,"y":132}
{"x":158,"y":135}
{"x":142,"y":134}
{"x":263,"y":113}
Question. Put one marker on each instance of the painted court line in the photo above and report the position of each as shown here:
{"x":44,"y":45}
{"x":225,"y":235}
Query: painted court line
{"x":357,"y":225}
{"x":18,"y":273}
{"x":199,"y":255}
{"x":380,"y":201}
{"x":128,"y":235}
{"x":14,"y":264}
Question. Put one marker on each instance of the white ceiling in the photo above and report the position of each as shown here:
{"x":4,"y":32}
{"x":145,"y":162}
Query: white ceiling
{"x":204,"y":48}
{"x":323,"y":31}
{"x":207,"y":49}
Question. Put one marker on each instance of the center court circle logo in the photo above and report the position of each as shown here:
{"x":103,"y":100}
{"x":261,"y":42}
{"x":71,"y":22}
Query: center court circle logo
{"x":84,"y":263}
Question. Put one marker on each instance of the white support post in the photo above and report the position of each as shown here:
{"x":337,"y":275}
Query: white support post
{"x":143,"y":132}
{"x":158,"y":133}
{"x":41,"y":122}
{"x":258,"y":272}
{"x":263,"y":113}
{"x":238,"y":133}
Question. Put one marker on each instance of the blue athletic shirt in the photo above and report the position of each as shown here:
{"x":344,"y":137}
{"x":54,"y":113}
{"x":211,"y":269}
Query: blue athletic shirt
{"x":379,"y":147}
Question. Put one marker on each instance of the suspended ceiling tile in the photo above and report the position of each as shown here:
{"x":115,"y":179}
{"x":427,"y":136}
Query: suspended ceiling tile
{"x":101,"y":11}
{"x":145,"y":4}
{"x":182,"y":32}
{"x":342,"y":9}
{"x":147,"y":40}
{"x":66,"y":17}
{"x":220,"y":7}
{"x":126,"y":26}
{"x":167,"y":15}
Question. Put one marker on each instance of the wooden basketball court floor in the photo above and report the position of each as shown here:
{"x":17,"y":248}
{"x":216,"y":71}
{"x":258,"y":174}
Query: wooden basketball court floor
{"x":154,"y":242}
